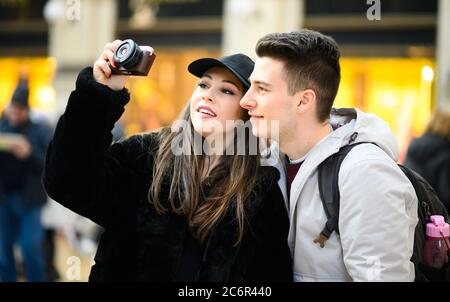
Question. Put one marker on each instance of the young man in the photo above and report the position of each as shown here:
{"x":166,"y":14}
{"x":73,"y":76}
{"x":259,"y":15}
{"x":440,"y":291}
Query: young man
{"x":295,"y":81}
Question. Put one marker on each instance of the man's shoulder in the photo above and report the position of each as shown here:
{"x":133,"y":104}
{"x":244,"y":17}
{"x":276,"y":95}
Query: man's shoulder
{"x":367,"y":154}
{"x":368,"y":161}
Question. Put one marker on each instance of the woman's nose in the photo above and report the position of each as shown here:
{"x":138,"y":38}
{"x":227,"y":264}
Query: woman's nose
{"x":208,"y":96}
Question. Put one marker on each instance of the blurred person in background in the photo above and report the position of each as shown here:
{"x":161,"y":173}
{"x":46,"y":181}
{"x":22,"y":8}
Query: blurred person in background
{"x":429,"y":155}
{"x":21,"y":192}
{"x":167,"y":216}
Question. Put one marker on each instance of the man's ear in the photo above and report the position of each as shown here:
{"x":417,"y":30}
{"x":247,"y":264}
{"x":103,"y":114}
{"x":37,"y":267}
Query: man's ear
{"x":305,"y":100}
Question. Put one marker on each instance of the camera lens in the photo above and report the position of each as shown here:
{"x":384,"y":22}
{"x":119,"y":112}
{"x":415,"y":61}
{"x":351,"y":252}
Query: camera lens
{"x":127,"y":54}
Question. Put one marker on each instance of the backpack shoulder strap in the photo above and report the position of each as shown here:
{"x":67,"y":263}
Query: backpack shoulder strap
{"x":329,"y":188}
{"x":421,"y":195}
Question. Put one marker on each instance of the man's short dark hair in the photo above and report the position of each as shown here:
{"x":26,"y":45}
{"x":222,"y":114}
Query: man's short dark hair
{"x":311,"y":61}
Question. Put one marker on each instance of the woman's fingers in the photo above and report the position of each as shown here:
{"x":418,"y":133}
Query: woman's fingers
{"x":104,"y":66}
{"x":116,"y":44}
{"x":108,"y":55}
{"x":108,"y":52}
{"x":113,"y":45}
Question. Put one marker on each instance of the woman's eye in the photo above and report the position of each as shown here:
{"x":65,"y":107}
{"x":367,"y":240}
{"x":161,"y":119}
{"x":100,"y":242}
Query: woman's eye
{"x":227,"y":91}
{"x":202,"y":85}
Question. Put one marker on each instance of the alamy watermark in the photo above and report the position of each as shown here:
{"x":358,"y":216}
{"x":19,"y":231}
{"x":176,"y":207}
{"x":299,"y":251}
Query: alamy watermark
{"x":73,"y":272}
{"x":374,"y":11}
{"x":73,"y":11}
{"x":234,"y":138}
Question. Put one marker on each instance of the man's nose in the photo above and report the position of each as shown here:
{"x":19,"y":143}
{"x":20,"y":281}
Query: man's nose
{"x":247,"y":101}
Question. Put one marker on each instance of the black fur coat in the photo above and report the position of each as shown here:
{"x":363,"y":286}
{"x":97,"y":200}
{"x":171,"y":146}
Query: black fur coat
{"x":109,"y":184}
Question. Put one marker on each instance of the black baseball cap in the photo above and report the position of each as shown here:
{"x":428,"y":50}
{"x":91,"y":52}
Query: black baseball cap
{"x":239,"y":64}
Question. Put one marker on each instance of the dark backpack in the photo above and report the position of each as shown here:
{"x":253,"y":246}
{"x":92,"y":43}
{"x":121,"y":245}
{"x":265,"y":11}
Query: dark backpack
{"x":429,"y":204}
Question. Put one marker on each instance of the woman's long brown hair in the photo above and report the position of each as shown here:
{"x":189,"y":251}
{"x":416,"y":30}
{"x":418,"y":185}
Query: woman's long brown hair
{"x":234,"y":179}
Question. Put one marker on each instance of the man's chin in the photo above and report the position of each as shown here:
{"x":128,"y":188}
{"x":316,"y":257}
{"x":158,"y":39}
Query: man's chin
{"x":258,"y":133}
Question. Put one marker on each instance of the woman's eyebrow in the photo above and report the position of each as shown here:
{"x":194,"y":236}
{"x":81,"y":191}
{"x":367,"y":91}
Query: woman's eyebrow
{"x":232,"y":82}
{"x":225,"y":81}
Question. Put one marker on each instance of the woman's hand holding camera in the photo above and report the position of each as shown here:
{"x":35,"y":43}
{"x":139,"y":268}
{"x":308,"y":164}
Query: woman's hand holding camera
{"x":102,"y":70}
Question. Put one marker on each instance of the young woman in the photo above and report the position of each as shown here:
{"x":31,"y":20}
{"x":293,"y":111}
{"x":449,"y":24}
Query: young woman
{"x":170,"y":215}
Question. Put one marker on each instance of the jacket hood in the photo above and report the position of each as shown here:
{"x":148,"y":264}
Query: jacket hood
{"x":355,"y":126}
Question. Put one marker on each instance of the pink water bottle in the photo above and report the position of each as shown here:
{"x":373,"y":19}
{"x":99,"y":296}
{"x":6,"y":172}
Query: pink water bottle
{"x":436,"y":243}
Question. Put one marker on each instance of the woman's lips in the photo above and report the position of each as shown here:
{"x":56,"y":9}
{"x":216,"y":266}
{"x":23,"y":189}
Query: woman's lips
{"x":206,"y":112}
{"x":205,"y":115}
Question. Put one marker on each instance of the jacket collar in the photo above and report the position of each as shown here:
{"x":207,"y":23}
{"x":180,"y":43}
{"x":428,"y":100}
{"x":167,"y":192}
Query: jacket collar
{"x":328,"y":146}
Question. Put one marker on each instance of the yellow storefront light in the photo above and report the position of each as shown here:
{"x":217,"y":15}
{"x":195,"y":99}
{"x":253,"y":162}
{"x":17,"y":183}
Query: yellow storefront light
{"x":387,"y":99}
{"x":399,"y":90}
{"x":46,"y":97}
{"x":427,"y":74}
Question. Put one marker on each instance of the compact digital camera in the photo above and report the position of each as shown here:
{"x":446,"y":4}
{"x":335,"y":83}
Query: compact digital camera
{"x":130,"y":59}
